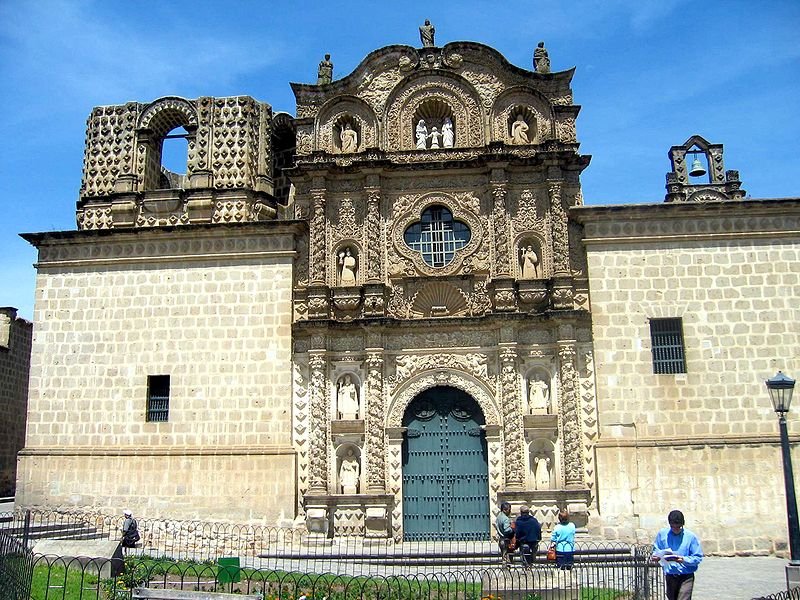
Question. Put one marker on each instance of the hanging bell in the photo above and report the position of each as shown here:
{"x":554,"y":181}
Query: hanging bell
{"x":697,"y":169}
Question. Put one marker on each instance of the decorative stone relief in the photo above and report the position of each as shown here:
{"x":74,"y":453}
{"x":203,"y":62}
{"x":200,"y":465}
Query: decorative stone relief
{"x":110,"y":148}
{"x":317,"y":228}
{"x":512,"y":420}
{"x":500,"y":229}
{"x":376,"y":440}
{"x":346,"y":111}
{"x":565,"y":130}
{"x":234,"y":147}
{"x":301,"y":426}
{"x":346,"y":227}
{"x":411,"y":388}
{"x":570,"y":417}
{"x":318,"y":426}
{"x":373,"y":228}
{"x":95,"y":218}
{"x":590,"y":417}
{"x":463,"y":101}
{"x":559,"y":230}
{"x":519,"y":101}
{"x":408,"y":210}
{"x":408,"y":365}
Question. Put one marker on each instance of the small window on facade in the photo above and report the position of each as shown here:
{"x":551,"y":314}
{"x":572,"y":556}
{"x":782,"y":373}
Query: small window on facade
{"x":666,"y":339}
{"x":157,"y":398}
{"x":437,"y":236}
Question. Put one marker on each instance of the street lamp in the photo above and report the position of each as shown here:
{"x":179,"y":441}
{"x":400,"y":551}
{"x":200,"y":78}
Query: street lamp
{"x":780,"y":390}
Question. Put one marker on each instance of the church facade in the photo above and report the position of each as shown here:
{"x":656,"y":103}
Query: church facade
{"x":388,"y":313}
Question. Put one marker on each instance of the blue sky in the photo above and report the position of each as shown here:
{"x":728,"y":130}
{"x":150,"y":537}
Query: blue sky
{"x":650,"y":73}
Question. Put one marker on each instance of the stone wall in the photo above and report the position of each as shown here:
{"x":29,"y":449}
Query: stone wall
{"x":15,"y":360}
{"x":705,"y":441}
{"x":210,"y":306}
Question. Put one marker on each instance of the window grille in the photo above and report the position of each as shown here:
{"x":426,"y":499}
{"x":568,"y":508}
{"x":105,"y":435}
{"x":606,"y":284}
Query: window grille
{"x":437,"y":236}
{"x":666,"y":337}
{"x":157,"y":398}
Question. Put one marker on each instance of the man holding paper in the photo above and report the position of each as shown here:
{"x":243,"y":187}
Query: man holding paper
{"x":679,"y":553}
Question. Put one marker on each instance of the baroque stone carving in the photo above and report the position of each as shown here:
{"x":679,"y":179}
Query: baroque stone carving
{"x":401,"y":108}
{"x":559,"y":229}
{"x":408,"y":365}
{"x":570,"y":417}
{"x":526,"y":103}
{"x":376,"y":438}
{"x":234,"y":147}
{"x":110,"y":148}
{"x":414,"y":386}
{"x":512,"y":419}
{"x":464,"y":208}
{"x":318,"y":426}
{"x":500,"y":229}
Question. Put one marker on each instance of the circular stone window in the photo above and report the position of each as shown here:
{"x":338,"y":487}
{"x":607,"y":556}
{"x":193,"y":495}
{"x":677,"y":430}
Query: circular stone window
{"x":437,"y":236}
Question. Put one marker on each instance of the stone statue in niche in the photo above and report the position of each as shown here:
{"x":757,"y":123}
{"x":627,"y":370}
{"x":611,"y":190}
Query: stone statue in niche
{"x":538,"y":396}
{"x":325,"y":71}
{"x":349,"y":473}
{"x":435,"y":137}
{"x":541,"y":59}
{"x":426,"y":33}
{"x":422,"y":135}
{"x":349,"y":139}
{"x":529,"y":262}
{"x":542,"y":470}
{"x":448,"y":136}
{"x":347,"y":263}
{"x":519,"y":132}
{"x":347,"y":399}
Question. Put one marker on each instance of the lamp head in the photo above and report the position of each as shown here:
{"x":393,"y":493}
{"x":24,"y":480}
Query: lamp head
{"x":780,"y":388}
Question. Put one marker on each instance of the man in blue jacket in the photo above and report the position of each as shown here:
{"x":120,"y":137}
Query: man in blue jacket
{"x":529,"y":534}
{"x":678,"y":550}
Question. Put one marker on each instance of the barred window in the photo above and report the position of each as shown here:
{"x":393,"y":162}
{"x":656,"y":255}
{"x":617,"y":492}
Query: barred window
{"x":437,"y":236}
{"x":666,"y":339}
{"x":157,"y":398}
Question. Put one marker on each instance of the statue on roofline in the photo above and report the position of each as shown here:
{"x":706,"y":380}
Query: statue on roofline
{"x":426,"y":33}
{"x":541,"y":59}
{"x":325,"y":71}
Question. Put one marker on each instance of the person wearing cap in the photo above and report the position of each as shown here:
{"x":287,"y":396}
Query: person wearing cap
{"x":130,"y":530}
{"x":529,"y":533}
{"x":679,"y":552}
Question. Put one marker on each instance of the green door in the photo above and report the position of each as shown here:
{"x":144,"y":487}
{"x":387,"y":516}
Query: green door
{"x":445,"y":472}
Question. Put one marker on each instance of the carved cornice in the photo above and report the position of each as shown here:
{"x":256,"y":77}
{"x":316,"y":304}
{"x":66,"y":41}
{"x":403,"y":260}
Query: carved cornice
{"x":168,"y":244}
{"x":723,"y":220}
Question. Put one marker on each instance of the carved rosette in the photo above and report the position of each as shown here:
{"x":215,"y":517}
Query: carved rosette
{"x":373,"y":230}
{"x":317,"y":262}
{"x":318,"y":426}
{"x":513,"y":430}
{"x":376,"y":442}
{"x":559,"y":229}
{"x":570,"y":418}
{"x":502,"y":251}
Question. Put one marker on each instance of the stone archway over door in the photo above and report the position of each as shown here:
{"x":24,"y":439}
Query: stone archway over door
{"x":445,"y":467}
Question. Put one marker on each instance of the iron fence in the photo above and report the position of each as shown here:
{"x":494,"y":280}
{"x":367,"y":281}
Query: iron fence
{"x":16,"y":568}
{"x":57,"y":578}
{"x":792,"y":594}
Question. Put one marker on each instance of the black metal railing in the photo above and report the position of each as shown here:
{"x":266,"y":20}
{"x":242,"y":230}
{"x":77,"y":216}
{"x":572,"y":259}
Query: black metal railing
{"x":57,"y":578}
{"x":16,"y":568}
{"x":793,"y":594}
{"x":286,"y":562}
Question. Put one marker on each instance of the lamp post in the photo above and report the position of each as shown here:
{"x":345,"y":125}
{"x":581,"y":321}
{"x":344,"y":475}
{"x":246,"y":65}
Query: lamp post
{"x":780,"y":390}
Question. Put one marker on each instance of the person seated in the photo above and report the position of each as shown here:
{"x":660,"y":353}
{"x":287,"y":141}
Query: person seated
{"x":505,"y":531}
{"x":529,"y":534}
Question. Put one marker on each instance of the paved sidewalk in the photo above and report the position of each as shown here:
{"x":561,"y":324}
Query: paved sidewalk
{"x":739,"y":578}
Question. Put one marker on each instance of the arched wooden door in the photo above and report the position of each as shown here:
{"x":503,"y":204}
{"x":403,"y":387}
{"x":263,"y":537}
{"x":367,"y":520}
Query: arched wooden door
{"x":445,"y":468}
